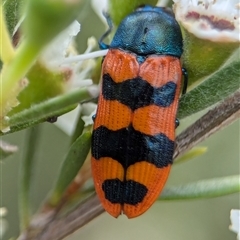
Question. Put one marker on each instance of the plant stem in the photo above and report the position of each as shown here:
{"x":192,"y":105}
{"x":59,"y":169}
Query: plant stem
{"x":17,"y":69}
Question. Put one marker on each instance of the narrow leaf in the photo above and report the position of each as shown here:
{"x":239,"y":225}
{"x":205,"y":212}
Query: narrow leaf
{"x":70,"y":167}
{"x":194,"y":152}
{"x":25,"y":176}
{"x":52,"y":107}
{"x":215,"y":88}
{"x":215,"y":187}
{"x":78,"y":128}
{"x":12,"y":13}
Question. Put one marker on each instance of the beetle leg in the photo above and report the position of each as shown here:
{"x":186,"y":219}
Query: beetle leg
{"x":185,"y":83}
{"x":177,"y":123}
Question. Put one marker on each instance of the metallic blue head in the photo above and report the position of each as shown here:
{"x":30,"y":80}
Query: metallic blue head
{"x":149,"y":30}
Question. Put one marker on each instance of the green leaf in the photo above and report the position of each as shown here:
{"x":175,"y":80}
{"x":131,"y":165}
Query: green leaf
{"x":120,"y":9}
{"x":194,"y":152}
{"x":25,"y":176}
{"x":71,"y":165}
{"x":31,"y":123}
{"x":6,"y":149}
{"x":11,"y":9}
{"x":50,"y":108}
{"x":215,"y":88}
{"x":215,"y":187}
{"x":7,"y":51}
{"x":78,"y":128}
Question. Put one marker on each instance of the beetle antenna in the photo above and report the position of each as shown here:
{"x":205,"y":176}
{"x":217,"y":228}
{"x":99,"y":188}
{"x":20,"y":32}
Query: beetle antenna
{"x":103,"y":45}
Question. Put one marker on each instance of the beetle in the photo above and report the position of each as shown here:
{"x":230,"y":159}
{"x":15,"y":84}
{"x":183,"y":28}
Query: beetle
{"x":134,"y":126}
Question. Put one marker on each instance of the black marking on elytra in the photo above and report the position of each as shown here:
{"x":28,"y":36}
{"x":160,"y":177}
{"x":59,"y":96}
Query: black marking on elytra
{"x":127,"y":192}
{"x":128,"y":146}
{"x":137,"y":93}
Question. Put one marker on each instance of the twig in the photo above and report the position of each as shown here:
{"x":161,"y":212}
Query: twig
{"x":84,"y":213}
{"x":45,"y":226}
{"x":219,"y":117}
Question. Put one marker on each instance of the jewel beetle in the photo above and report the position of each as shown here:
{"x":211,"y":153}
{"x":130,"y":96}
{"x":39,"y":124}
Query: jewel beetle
{"x":134,"y":127}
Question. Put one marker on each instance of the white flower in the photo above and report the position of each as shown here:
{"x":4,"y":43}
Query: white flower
{"x":56,"y":51}
{"x":88,"y":110}
{"x":215,"y":20}
{"x":235,"y":220}
{"x":61,"y":55}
